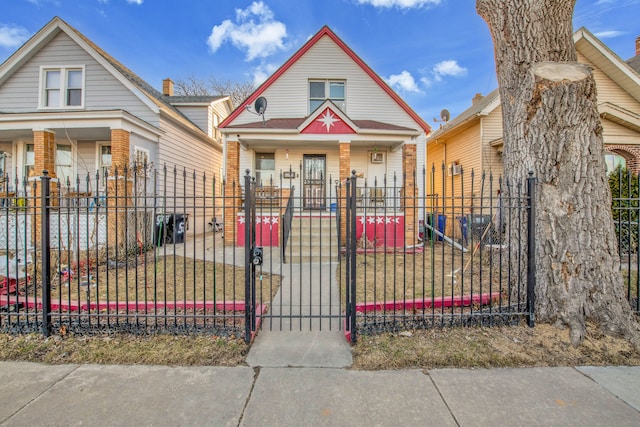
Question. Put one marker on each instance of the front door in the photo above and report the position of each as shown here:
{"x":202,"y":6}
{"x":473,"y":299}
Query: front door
{"x":314,"y":172}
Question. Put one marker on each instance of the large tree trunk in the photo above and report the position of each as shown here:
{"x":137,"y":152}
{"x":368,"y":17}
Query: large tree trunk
{"x":552,"y":128}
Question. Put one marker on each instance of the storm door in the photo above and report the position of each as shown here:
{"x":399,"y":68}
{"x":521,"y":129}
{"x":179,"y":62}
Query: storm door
{"x":314,"y":172}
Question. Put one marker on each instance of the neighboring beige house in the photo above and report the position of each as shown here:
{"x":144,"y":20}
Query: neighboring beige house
{"x":70,"y":108}
{"x":328,"y":113}
{"x":473,"y":140}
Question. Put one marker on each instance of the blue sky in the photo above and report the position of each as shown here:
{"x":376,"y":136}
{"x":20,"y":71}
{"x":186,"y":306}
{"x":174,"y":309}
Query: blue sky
{"x":436,"y":53}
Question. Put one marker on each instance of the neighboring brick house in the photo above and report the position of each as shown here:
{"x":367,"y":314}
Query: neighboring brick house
{"x":328,"y":113}
{"x":473,"y":139}
{"x":70,"y":108}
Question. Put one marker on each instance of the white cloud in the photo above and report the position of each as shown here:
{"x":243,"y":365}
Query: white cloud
{"x":401,"y":4}
{"x":448,"y":68}
{"x":262,"y":73}
{"x":426,"y":81}
{"x":138,"y":2}
{"x":255,"y":31}
{"x":12,"y":36}
{"x":403,"y":82}
{"x":608,"y":34}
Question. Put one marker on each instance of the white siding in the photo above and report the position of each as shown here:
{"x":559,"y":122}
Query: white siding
{"x":102,"y":90}
{"x":190,"y":156}
{"x":200,"y":116}
{"x":181,"y":150}
{"x":288,"y":96}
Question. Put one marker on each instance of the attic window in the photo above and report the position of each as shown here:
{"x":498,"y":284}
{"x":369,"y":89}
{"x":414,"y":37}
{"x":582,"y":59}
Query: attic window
{"x":321,"y":90}
{"x":62,"y":87}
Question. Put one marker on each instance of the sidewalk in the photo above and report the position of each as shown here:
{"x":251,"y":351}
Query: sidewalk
{"x":35,"y":394}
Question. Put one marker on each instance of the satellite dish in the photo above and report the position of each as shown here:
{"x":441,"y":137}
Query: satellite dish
{"x":444,"y":115}
{"x":260,"y":105}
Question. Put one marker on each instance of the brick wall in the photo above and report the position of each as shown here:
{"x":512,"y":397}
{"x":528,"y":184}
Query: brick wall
{"x":118,"y":186}
{"x":345,"y":173}
{"x":410,"y":192}
{"x":120,"y":150}
{"x":232,"y":191}
{"x":44,"y":150}
{"x":631,"y":153}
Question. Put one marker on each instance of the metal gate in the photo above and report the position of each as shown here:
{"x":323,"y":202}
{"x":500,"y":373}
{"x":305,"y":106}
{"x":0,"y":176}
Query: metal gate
{"x":283,"y":237}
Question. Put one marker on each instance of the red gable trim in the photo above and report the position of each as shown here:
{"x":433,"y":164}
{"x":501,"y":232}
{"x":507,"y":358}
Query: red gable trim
{"x":325,"y":31}
{"x":328,"y":123}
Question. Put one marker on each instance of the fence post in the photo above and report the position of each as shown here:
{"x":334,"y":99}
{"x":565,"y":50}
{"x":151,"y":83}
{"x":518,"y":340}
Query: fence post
{"x":46,"y":252}
{"x":248,"y":264}
{"x":351,"y":239}
{"x":531,"y":248}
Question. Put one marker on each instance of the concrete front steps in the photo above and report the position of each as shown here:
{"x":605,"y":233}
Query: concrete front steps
{"x":313,"y":238}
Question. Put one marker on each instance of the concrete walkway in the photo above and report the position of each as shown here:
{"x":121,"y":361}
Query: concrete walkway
{"x":64,"y":395}
{"x":304,"y":326}
{"x":306,"y":329}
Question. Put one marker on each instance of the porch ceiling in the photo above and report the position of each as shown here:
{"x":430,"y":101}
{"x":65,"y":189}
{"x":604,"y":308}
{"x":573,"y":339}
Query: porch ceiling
{"x":272,"y":144}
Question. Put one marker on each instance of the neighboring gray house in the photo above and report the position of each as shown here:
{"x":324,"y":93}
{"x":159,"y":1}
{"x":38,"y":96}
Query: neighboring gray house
{"x":69,"y":107}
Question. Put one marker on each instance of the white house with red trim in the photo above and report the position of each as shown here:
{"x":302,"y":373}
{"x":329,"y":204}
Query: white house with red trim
{"x":328,"y":113}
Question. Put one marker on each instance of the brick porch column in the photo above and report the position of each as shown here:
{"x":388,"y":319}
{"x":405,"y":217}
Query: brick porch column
{"x":409,"y":166}
{"x":44,"y":153}
{"x":345,"y":173}
{"x":233,"y":185}
{"x":118,"y":188}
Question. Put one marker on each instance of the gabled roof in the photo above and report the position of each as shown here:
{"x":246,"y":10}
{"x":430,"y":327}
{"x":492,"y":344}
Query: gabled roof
{"x":326,"y":32}
{"x":635,"y":63}
{"x":481,"y":108}
{"x":610,"y":63}
{"x":141,"y":89}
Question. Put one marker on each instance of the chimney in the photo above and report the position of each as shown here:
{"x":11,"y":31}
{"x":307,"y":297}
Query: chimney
{"x":476,"y":98}
{"x":167,"y":87}
{"x":638,"y":46}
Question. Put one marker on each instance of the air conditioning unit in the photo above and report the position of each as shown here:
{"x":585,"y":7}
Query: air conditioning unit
{"x":455,"y":168}
{"x":377,"y":157}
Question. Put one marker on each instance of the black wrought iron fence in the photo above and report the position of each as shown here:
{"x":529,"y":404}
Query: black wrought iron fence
{"x":625,"y":208}
{"x":131,"y":252}
{"x":457,"y":256}
{"x":136,"y":252}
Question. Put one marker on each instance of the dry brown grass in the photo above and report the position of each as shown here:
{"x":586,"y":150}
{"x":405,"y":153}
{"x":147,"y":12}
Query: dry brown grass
{"x":199,"y":350}
{"x":519,"y":346}
{"x":435,"y":272}
{"x":165,"y":278}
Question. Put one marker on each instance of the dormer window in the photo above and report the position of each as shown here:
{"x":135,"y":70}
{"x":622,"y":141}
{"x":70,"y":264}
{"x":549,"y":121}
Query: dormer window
{"x":321,"y":90}
{"x":62,"y":87}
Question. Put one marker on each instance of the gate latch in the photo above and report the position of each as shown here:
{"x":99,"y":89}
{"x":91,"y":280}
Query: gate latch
{"x":257,"y":255}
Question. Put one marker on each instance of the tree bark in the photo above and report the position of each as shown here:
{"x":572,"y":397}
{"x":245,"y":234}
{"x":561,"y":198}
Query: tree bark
{"x":552,"y":128}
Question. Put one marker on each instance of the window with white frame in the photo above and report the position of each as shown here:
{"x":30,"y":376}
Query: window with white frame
{"x":63,"y":87}
{"x":29,"y":160}
{"x":64,"y":164}
{"x":321,"y":90}
{"x":140,"y":158}
{"x":613,"y":160}
{"x":104,"y":160}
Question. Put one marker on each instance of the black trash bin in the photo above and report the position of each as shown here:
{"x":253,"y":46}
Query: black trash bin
{"x":179,"y":224}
